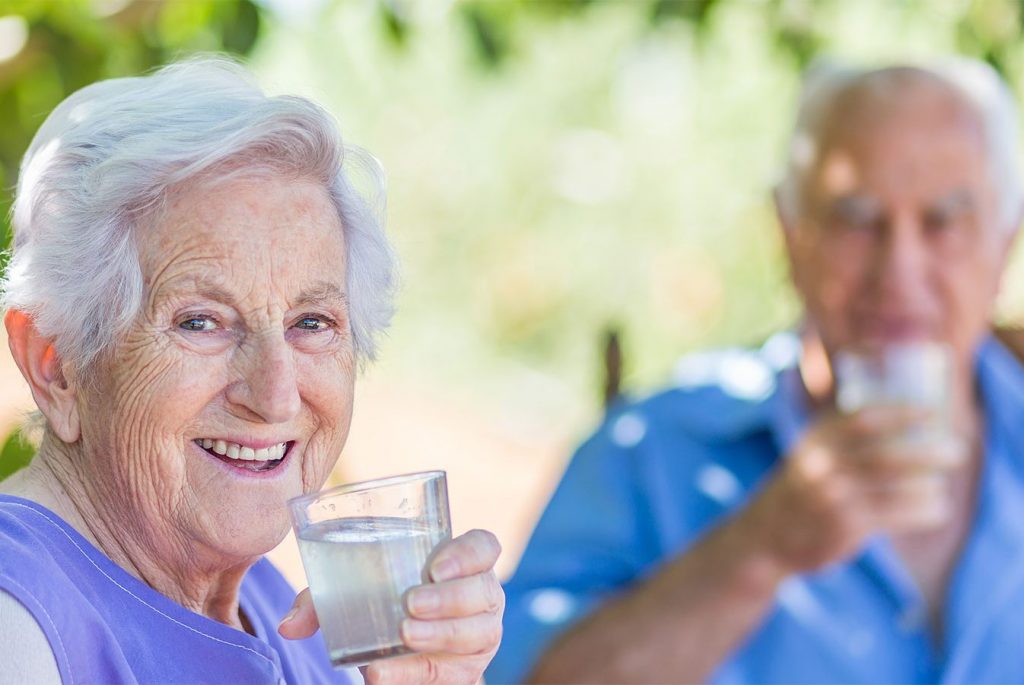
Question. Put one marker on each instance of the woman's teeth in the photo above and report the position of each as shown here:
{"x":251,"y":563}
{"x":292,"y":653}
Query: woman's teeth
{"x":233,"y":450}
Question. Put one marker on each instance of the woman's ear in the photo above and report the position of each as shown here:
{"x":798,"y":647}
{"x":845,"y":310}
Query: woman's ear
{"x":37,"y":359}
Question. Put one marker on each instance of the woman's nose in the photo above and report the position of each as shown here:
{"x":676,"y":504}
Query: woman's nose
{"x":269,"y":385}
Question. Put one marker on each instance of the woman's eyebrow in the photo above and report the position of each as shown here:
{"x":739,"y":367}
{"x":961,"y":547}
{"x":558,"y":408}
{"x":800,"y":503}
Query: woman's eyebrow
{"x":189,"y":287}
{"x":214,"y":292}
{"x":324,"y":293}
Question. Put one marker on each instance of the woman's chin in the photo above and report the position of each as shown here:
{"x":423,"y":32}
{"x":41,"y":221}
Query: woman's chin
{"x":243,"y":541}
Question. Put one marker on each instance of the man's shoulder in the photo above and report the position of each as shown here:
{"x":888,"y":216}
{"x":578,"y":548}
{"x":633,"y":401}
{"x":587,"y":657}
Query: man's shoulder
{"x":716,"y":395}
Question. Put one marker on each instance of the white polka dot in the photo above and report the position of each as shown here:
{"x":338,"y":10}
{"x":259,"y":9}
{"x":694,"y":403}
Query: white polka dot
{"x":628,"y":430}
{"x":794,"y":596}
{"x":747,"y":378}
{"x":719,"y":484}
{"x":742,"y":374}
{"x":551,"y":605}
{"x":696,"y":370}
{"x":860,"y":642}
{"x":781,"y":350}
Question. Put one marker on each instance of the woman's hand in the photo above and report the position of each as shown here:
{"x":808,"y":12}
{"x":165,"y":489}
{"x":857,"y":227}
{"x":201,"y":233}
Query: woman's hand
{"x":455,"y":624}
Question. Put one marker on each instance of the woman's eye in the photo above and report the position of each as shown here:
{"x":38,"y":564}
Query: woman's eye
{"x":312,"y":323}
{"x":197,"y":324}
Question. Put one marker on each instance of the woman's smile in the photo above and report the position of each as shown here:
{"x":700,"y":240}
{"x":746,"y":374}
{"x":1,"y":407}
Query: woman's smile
{"x":246,"y":457}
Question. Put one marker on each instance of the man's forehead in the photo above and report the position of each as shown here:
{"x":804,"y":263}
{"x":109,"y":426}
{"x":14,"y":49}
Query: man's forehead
{"x":899,"y":98}
{"x":913,"y":153}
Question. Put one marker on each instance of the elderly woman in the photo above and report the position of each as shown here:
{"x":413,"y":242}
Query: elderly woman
{"x":193,"y":284}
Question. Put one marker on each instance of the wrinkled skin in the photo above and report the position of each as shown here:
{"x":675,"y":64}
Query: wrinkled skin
{"x":243,"y":336}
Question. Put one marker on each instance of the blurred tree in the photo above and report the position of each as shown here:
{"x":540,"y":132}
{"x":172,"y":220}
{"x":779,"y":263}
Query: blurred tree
{"x":50,"y":48}
{"x":15,"y":453}
{"x":989,"y":29}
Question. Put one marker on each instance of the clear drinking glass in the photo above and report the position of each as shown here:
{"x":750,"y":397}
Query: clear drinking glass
{"x":916,"y":374}
{"x":363,"y":545}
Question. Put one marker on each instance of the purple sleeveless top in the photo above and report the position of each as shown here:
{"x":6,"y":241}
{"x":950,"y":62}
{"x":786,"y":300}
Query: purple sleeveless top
{"x":106,"y":626}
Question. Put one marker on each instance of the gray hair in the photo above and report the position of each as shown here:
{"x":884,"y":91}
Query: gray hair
{"x":976,"y":82}
{"x":108,"y":157}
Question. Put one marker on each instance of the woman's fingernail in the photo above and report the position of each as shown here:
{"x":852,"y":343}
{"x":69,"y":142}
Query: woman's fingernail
{"x":289,"y":616}
{"x":424,"y":600}
{"x":418,"y":631}
{"x":446,"y":569}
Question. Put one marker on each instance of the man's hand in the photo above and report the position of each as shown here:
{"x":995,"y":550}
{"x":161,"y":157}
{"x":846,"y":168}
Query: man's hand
{"x":454,"y":624}
{"x":849,"y":477}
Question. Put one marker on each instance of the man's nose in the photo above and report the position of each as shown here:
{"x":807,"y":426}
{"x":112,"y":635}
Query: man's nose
{"x":269,"y":384}
{"x":902,"y":255}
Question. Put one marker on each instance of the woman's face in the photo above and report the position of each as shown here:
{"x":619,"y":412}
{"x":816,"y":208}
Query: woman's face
{"x":233,"y":390}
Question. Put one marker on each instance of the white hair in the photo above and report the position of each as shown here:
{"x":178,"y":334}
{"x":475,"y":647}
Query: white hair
{"x":976,"y":82}
{"x":107,"y":158}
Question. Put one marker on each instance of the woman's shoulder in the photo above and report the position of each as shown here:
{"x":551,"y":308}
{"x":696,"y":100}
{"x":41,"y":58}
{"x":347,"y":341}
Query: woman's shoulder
{"x":35,"y":582}
{"x":101,"y":622}
{"x":29,"y":536}
{"x":34,"y":541}
{"x":26,"y":653}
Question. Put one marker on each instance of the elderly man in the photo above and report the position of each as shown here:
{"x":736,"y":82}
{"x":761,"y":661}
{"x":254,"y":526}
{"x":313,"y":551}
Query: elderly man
{"x":739,"y":528}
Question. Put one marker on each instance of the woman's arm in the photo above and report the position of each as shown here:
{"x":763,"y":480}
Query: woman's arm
{"x":25,"y":654}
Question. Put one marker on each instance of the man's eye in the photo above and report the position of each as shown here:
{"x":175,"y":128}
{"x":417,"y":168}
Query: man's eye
{"x":197,"y":323}
{"x":937,"y":222}
{"x":944,"y":221}
{"x":312,"y":323}
{"x":855,"y":213}
{"x":857,"y":219}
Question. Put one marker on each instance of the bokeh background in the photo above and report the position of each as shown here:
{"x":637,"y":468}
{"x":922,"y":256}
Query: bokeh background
{"x":558,"y":169}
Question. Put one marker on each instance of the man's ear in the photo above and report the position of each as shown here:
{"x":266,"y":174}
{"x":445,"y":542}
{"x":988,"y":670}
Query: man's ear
{"x":790,"y":235}
{"x":37,"y":359}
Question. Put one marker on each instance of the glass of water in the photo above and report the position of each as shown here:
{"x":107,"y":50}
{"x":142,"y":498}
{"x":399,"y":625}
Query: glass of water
{"x":363,"y":545}
{"x":914,"y":374}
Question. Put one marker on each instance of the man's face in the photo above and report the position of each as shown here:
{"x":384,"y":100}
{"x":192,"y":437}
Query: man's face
{"x":899,"y":237}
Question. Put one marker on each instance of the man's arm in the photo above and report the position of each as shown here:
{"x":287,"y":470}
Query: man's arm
{"x":678,"y":625}
{"x":846,"y":480}
{"x":25,"y":654}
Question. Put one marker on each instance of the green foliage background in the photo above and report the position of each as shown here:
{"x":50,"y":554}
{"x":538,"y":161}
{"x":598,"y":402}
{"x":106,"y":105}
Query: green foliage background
{"x":556,"y":166}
